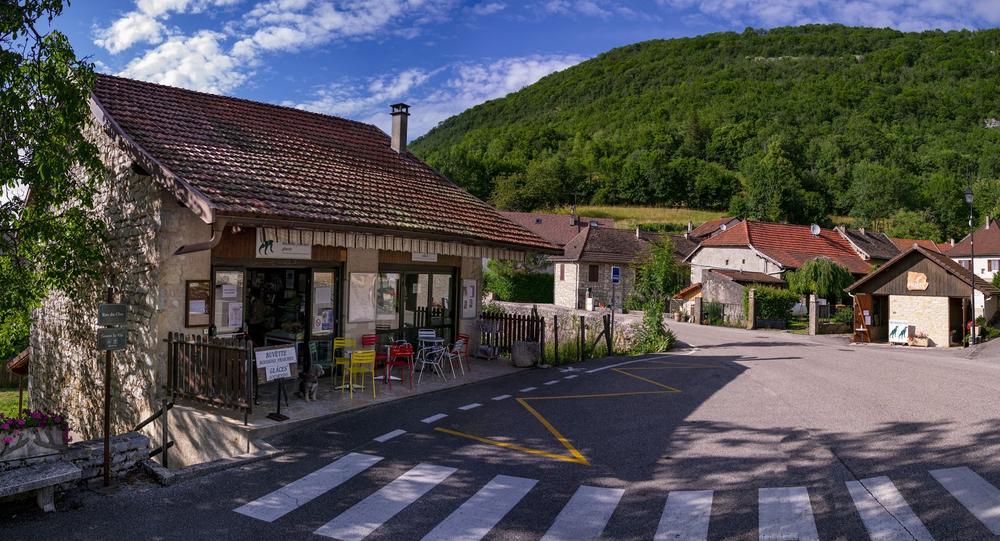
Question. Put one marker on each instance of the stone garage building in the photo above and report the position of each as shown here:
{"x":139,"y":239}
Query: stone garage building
{"x":584,"y":269}
{"x":920,"y":292}
{"x":228,"y":217}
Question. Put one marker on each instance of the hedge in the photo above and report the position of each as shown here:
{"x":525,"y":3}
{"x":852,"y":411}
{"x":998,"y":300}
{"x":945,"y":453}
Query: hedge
{"x":771,"y":302}
{"x":520,"y":286}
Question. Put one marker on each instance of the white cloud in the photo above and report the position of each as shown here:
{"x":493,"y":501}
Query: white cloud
{"x":488,"y":8}
{"x":134,"y":27}
{"x":907,"y":15}
{"x":197,"y":62}
{"x":461,"y":86}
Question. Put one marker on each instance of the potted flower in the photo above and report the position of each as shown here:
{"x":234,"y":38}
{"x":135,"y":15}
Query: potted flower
{"x":33,"y":433}
{"x":919,"y":339}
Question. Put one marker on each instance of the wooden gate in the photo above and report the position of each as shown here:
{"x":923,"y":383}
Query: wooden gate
{"x":215,"y":371}
{"x":502,"y":330}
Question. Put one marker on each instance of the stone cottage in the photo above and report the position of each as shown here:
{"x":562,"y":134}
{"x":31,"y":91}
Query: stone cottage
{"x":228,"y":217}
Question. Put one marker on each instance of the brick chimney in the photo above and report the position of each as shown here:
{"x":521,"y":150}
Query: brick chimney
{"x":400,"y":113}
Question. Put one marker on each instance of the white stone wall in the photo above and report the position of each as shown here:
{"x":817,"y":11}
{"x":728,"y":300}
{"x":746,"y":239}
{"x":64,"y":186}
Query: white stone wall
{"x":565,"y":291}
{"x":982,"y":270}
{"x":66,"y":371}
{"x":717,"y":257}
{"x":925,"y":314}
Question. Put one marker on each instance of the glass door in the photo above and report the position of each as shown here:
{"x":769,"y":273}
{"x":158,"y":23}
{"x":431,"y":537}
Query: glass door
{"x":427,"y":303}
{"x":228,"y":295}
{"x":323,"y":316}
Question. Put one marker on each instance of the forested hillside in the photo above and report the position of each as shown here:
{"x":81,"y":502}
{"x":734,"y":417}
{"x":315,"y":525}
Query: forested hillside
{"x":790,"y":124}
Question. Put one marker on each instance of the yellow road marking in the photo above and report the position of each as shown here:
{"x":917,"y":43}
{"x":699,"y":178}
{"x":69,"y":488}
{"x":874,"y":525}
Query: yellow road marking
{"x":633,"y":393}
{"x":667,"y":387}
{"x":552,"y":430}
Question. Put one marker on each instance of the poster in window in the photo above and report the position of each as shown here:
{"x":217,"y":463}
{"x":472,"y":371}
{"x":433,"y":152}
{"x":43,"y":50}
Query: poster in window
{"x":196,"y":299}
{"x":362,"y":297}
{"x":468,"y":299}
{"x":387,"y":296}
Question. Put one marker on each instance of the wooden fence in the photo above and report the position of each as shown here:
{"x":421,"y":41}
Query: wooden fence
{"x":215,"y":371}
{"x":501,"y":331}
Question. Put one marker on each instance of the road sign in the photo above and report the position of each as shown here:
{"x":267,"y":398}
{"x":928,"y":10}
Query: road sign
{"x":616,"y":275}
{"x":111,"y":314}
{"x":112,"y":339}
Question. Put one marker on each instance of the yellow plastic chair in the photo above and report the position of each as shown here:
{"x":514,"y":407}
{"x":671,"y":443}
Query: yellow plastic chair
{"x":339,"y":344}
{"x":362,"y":362}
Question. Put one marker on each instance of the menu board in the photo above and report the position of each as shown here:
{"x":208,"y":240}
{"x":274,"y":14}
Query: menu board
{"x":362,"y":297}
{"x":197,"y":300}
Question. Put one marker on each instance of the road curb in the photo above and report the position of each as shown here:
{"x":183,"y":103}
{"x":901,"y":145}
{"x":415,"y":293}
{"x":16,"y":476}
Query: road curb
{"x":166,"y":476}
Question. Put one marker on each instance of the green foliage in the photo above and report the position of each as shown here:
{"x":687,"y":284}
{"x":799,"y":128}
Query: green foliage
{"x":652,"y":335}
{"x":844,"y":314}
{"x":492,"y":309}
{"x":913,"y":224}
{"x":48,"y":240}
{"x":772,"y":303}
{"x":996,"y":279}
{"x":820,"y":276}
{"x":657,"y":276}
{"x":785,"y":124}
{"x":511,"y":283}
{"x":715,"y":313}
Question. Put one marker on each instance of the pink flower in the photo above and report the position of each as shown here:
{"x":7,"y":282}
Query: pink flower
{"x":5,"y":426}
{"x":7,"y":439}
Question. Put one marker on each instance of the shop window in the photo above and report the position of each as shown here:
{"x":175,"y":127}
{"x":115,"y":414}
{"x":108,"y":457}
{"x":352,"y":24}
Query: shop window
{"x":228,"y":297}
{"x":323,"y":311}
{"x":387,"y":297}
{"x":594,"y":272}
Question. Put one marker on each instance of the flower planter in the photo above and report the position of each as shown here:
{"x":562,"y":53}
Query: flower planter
{"x":920,"y":342}
{"x":32,"y":442}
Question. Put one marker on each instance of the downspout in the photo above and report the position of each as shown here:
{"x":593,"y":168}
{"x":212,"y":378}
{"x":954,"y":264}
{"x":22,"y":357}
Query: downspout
{"x":218,"y":227}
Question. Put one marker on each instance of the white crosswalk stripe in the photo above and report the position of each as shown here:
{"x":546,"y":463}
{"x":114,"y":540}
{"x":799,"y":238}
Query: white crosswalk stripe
{"x":685,"y":516}
{"x":365,"y":517}
{"x":977,"y":494}
{"x":785,"y":513}
{"x":480,"y":513}
{"x":885,"y":513}
{"x":585,"y":515}
{"x":293,"y":495}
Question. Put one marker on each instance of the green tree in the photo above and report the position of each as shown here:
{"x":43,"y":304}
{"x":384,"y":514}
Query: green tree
{"x":875,"y":193}
{"x":820,"y":276}
{"x":913,"y":224}
{"x":771,"y":189}
{"x":48,"y":235}
{"x":657,"y":275}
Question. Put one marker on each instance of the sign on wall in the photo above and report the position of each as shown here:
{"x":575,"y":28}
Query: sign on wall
{"x":616,"y":274}
{"x":916,"y":281}
{"x":272,"y":249}
{"x":421,"y":256}
{"x":899,"y":332}
{"x":111,"y":314}
{"x":277,"y":362}
{"x":468,"y":299}
{"x":112,"y":339}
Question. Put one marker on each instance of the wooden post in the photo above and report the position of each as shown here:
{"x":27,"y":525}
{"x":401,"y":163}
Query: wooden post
{"x":540,"y":326}
{"x":555,"y":338}
{"x":751,"y":314}
{"x":107,"y":408}
{"x":607,"y":332}
{"x":583,"y":339}
{"x":165,"y":433}
{"x":20,"y":394}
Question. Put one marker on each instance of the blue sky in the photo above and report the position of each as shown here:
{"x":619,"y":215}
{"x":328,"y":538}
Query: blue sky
{"x":353,"y":58}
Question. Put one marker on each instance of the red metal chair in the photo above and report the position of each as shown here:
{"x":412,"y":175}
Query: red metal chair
{"x":399,"y":355}
{"x":464,"y":350}
{"x":370,"y":341}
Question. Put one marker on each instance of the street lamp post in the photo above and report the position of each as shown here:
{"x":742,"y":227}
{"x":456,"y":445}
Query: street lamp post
{"x":972,"y":267}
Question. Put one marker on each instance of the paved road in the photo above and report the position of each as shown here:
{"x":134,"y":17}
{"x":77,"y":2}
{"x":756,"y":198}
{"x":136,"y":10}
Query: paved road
{"x":745,"y":435}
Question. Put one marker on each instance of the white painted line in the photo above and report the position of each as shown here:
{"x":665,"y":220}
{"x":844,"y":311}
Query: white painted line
{"x":586,"y":514}
{"x":553,"y":382}
{"x":785,"y":513}
{"x":434,"y":418}
{"x":480,"y":513}
{"x":297,"y":493}
{"x":471,"y":406}
{"x":571,"y":377}
{"x":885,"y":513}
{"x":977,"y":495}
{"x":367,"y":515}
{"x":685,"y":516}
{"x":389,"y":435}
{"x":527,"y":389}
{"x":501,"y":397}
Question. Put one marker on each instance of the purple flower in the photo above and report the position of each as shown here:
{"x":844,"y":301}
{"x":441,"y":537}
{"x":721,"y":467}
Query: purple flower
{"x":5,"y":426}
{"x":7,"y":439}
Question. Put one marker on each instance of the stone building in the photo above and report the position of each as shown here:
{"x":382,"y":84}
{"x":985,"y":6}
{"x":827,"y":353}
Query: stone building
{"x":920,"y":292}
{"x":583,"y":273}
{"x":234,"y":218}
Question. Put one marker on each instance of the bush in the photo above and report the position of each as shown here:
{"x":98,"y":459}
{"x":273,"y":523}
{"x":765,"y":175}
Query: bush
{"x":772,"y":303}
{"x":492,"y":309}
{"x":517,"y":285}
{"x":844,"y":314}
{"x":715,"y":313}
{"x":653,"y":336}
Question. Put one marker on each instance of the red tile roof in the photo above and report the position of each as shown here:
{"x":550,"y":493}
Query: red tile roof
{"x":691,"y":290}
{"x":712,"y":226}
{"x":987,"y":242}
{"x":262,"y":161}
{"x":791,"y":245}
{"x":906,"y":244}
{"x":555,"y":228}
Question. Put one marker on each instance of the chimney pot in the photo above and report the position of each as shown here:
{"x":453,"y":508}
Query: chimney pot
{"x":987,"y":222}
{"x":400,"y":114}
{"x":690,"y":226}
{"x":862,"y":230}
{"x":637,"y":232}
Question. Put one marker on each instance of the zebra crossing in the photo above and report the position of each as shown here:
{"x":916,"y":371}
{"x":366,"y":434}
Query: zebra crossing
{"x":784,"y":512}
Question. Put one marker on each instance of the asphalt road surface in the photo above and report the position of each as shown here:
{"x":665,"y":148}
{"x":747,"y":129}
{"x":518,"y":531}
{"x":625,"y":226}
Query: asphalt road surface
{"x":736,"y":435}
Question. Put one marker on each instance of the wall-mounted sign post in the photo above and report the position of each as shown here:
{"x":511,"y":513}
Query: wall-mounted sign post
{"x":108,"y":340}
{"x":616,"y":278}
{"x":277,"y":363}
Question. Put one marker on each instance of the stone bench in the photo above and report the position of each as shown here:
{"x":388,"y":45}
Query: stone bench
{"x":41,"y":478}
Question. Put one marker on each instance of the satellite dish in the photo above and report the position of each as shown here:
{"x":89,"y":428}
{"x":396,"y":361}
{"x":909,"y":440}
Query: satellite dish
{"x":814,"y":229}
{"x":723,"y":227}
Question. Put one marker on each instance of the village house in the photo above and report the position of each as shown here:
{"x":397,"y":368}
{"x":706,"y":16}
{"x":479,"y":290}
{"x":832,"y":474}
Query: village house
{"x":919,"y":297}
{"x":583,"y":273}
{"x":556,"y":229}
{"x":232,"y":218}
{"x":986,"y":244}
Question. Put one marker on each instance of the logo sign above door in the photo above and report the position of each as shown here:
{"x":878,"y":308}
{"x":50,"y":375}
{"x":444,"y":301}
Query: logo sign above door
{"x":272,"y":249}
{"x":428,"y":258}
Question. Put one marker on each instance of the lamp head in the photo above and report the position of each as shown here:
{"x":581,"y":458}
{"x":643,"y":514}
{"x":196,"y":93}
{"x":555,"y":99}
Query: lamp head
{"x":968,"y":195}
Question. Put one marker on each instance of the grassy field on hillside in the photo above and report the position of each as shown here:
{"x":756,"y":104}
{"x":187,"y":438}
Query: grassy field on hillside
{"x":8,"y":402}
{"x":629,"y":217}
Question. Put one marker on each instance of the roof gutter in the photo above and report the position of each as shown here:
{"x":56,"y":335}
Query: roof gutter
{"x":218,"y":227}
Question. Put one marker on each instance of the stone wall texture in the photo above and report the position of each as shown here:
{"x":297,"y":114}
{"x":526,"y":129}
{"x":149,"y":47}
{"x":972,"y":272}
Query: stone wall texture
{"x":66,"y":371}
{"x":127,"y":452}
{"x":925,"y":314}
{"x":565,"y":291}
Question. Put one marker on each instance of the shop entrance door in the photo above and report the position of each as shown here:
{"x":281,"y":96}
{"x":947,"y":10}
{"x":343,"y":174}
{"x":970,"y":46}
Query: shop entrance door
{"x":428,"y":304}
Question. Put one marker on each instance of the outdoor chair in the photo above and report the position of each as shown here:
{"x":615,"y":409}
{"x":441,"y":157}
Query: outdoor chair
{"x":426,"y":337}
{"x":342,"y":361}
{"x":455,"y":353}
{"x":464,"y":339}
{"x":399,"y":355}
{"x":370,"y":341}
{"x":362,"y":362}
{"x":433,"y":357}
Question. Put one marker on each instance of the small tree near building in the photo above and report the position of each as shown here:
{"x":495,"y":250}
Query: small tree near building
{"x":657,"y":276}
{"x":820,"y":276}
